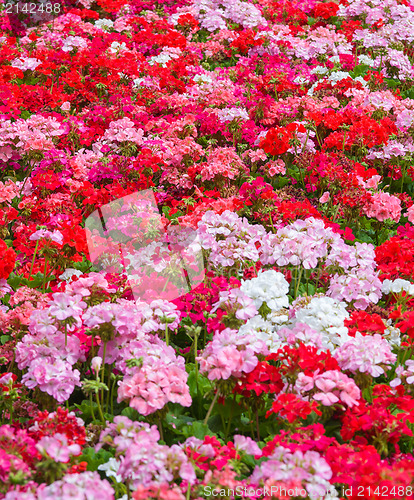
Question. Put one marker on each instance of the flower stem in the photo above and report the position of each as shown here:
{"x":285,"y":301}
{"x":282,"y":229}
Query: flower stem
{"x":160,"y":428}
{"x":211,"y":407}
{"x":166,"y":334}
{"x":100,"y":408}
{"x":103,"y":372}
{"x":44,"y":276}
{"x":231,"y":416}
{"x":298,"y":278}
{"x":33,"y":260}
{"x":195,"y":359}
{"x":257,"y":425}
{"x":91,"y":402}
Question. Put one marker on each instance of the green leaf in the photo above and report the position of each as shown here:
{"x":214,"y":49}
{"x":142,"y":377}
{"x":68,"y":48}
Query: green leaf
{"x":197,"y":429}
{"x":4,"y":339}
{"x":14,"y":281}
{"x":215,"y":424}
{"x":130,"y":413}
{"x":392,"y":83}
{"x":409,"y":93}
{"x":282,"y":182}
{"x":308,"y":289}
{"x":86,"y":408}
{"x":365,"y":236}
{"x":95,"y":459}
{"x":204,"y":384}
{"x":360,"y":70}
{"x":167,"y":210}
{"x":229,"y":408}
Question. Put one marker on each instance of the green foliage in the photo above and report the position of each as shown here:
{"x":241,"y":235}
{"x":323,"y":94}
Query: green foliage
{"x":95,"y":459}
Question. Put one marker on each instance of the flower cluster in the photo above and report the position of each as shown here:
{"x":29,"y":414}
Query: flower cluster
{"x":153,"y":376}
{"x":229,"y":354}
{"x":206,"y":249}
{"x":365,"y":354}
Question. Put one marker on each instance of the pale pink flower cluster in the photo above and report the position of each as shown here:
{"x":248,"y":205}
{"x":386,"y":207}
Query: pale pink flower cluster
{"x":22,"y":136}
{"x":5,"y":288}
{"x":392,"y":149}
{"x":371,"y":183}
{"x":175,"y":150}
{"x":275,"y":167}
{"x":55,"y":236}
{"x":164,"y":313}
{"x":26,"y":63}
{"x":140,"y":458}
{"x":384,"y":206}
{"x":45,"y":353}
{"x":236,"y":302}
{"x":246,"y":444}
{"x":308,"y":243}
{"x":361,"y":255}
{"x":63,"y":308}
{"x":325,"y":197}
{"x":404,"y":374}
{"x":109,"y":312}
{"x":57,"y":448}
{"x":410,"y":214}
{"x":255,"y":155}
{"x":85,"y":285}
{"x":229,"y":354}
{"x":123,"y":432}
{"x":230,"y":238}
{"x":65,"y":106}
{"x":8,"y":191}
{"x":213,"y":14}
{"x":229,"y":114}
{"x":301,"y":333}
{"x":85,"y":485}
{"x":124,"y":130}
{"x":47,"y":368}
{"x":365,"y":354}
{"x":224,"y":162}
{"x":157,"y":377}
{"x":309,"y":469}
{"x":329,"y":388}
{"x":405,"y":119}
{"x":72,"y":42}
{"x":146,"y":463}
{"x":130,"y":320}
{"x":360,"y":286}
{"x":302,"y":243}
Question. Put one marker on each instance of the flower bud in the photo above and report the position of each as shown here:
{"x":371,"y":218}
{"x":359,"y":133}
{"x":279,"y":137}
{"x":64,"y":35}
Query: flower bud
{"x":96,"y":364}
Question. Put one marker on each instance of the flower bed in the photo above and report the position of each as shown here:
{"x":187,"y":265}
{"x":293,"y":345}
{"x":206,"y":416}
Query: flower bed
{"x":206,"y":249}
